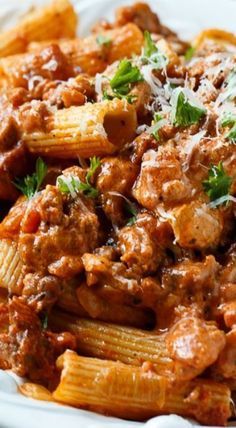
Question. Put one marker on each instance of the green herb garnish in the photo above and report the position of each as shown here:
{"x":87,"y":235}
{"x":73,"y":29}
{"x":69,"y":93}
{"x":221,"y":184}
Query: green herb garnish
{"x":156,"y":125}
{"x":73,"y":185}
{"x":32,"y":183}
{"x":232,"y":134}
{"x":228,"y":119}
{"x":131,"y":209}
{"x":189,"y":53}
{"x":186,"y":112}
{"x":218,"y":182}
{"x":151,"y":54}
{"x":125,"y":75}
{"x":103,"y":40}
{"x":130,"y":98}
{"x":45,"y":322}
{"x":149,"y":46}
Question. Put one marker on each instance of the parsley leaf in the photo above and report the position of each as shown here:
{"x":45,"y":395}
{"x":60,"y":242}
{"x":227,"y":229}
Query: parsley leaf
{"x":103,"y":40}
{"x":129,"y":98}
{"x":228,"y":119}
{"x":156,"y":125}
{"x":218,"y":182}
{"x":72,"y":185}
{"x":232,"y":134}
{"x":151,"y":54}
{"x":124,"y":76}
{"x":44,"y":322}
{"x":189,"y":53}
{"x":149,"y":46}
{"x":131,"y":209}
{"x":32,"y":183}
{"x":185,"y":113}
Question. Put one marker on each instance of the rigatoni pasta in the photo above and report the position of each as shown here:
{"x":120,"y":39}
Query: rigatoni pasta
{"x":11,"y":266}
{"x":131,"y":392}
{"x":93,"y":129}
{"x":56,"y":20}
{"x":118,"y":343}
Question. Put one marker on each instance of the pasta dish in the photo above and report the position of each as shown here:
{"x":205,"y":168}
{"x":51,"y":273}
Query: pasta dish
{"x":117,"y":229}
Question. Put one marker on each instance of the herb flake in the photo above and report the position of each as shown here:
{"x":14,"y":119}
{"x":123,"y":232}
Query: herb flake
{"x":31,"y":184}
{"x":218,"y":182}
{"x":103,"y":40}
{"x":125,"y":75}
{"x":186,"y":112}
{"x":73,"y":185}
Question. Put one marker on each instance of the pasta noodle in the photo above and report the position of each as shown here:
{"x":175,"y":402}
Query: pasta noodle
{"x":125,"y":344}
{"x":10,"y":266}
{"x":93,"y":129}
{"x":221,"y":36}
{"x":56,"y":20}
{"x":132,"y":392}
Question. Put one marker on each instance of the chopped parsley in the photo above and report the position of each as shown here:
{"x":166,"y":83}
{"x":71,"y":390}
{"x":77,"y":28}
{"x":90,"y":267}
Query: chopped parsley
{"x":131,"y":209}
{"x":186,"y":110}
{"x":231,"y":85}
{"x":103,"y":40}
{"x":228,"y":119}
{"x":149,"y":46}
{"x":73,"y":185}
{"x":44,"y":322}
{"x":232,"y":134}
{"x":31,"y":184}
{"x":218,"y":183}
{"x":189,"y":53}
{"x":157,"y":123}
{"x":125,"y":75}
{"x":129,"y":98}
{"x":151,"y":54}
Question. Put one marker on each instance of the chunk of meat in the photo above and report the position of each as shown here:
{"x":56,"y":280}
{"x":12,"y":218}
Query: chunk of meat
{"x":32,"y":351}
{"x":160,"y":179}
{"x":117,"y":174}
{"x":188,"y":286}
{"x":195,"y":343}
{"x":104,"y":272}
{"x":10,"y":226}
{"x":13,"y":157}
{"x":74,"y":92}
{"x":41,"y":292}
{"x":190,"y":274}
{"x":29,"y":70}
{"x":142,"y":94}
{"x":34,"y":116}
{"x":140,"y":145}
{"x":195,"y":225}
{"x":62,"y":230}
{"x":141,"y":15}
{"x":114,"y":182}
{"x":225,"y":365}
{"x":228,"y":274}
{"x":104,"y":310}
{"x":141,"y":244}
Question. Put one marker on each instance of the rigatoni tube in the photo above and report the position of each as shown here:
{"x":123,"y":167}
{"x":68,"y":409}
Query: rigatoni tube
{"x":86,"y":131}
{"x":108,"y":341}
{"x":137,"y":393}
{"x":53,"y":21}
{"x":10,"y":266}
